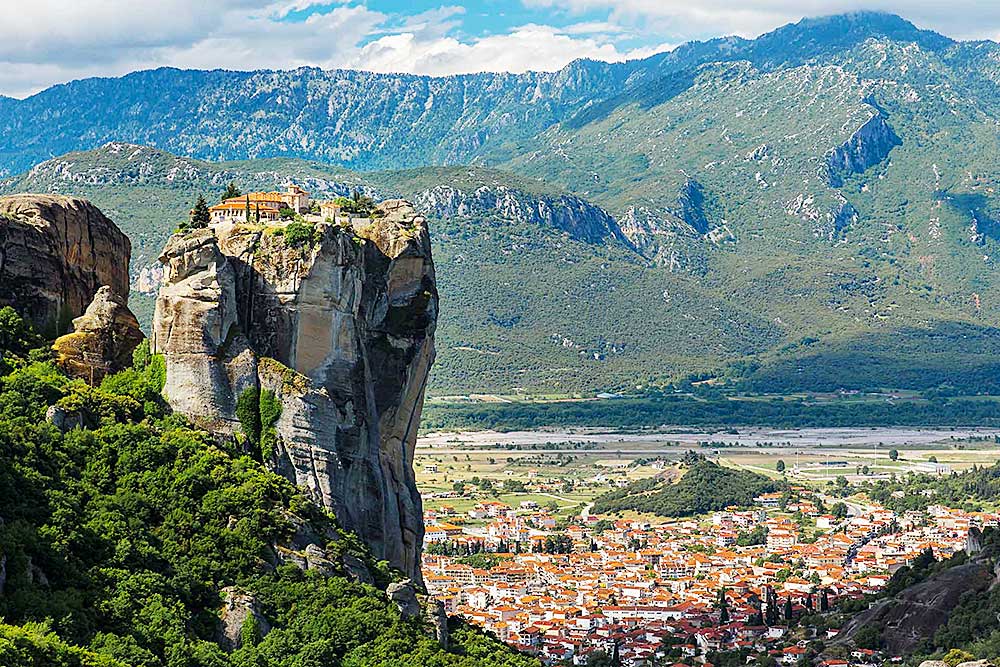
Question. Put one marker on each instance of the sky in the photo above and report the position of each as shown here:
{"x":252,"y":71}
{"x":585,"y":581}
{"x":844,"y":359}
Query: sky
{"x":53,"y":41}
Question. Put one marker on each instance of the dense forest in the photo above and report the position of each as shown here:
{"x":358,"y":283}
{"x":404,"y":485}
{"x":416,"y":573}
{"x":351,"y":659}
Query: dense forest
{"x":713,"y":411}
{"x":118,"y":536}
{"x":704,"y":487}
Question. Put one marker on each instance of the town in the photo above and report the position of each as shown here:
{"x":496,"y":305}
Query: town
{"x":759,"y":582}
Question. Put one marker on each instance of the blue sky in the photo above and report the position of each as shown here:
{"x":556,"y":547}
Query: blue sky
{"x":61,"y":40}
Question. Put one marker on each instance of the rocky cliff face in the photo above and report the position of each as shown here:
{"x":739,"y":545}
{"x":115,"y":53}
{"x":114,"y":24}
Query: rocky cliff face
{"x":334,"y":339}
{"x":676,"y":235}
{"x":579,"y":218}
{"x":869,"y":145}
{"x":55,"y":252}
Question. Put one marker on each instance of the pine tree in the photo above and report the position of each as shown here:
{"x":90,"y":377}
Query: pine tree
{"x":199,"y":214}
{"x":232,"y":192}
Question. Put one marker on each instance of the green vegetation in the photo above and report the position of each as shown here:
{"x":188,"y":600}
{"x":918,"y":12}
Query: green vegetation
{"x":35,"y":645}
{"x":682,"y":410}
{"x":357,"y":204}
{"x":232,"y":192}
{"x":199,"y":216}
{"x":704,"y":487}
{"x":974,"y":490}
{"x":298,"y":234}
{"x":258,"y":411}
{"x":118,"y":538}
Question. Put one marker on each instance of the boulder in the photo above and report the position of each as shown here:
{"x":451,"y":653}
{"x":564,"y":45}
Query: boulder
{"x":404,"y":596}
{"x":55,"y":252}
{"x":63,"y":419}
{"x":103,"y":339}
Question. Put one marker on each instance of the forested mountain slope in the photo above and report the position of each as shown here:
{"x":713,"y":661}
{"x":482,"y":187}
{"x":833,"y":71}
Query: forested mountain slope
{"x":814,"y":209}
{"x":140,"y":541}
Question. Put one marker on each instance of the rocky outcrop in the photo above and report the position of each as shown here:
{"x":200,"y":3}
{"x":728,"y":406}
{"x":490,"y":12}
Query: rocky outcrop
{"x":916,"y":613}
{"x":336,"y":337}
{"x":404,"y":596}
{"x":103,"y":339}
{"x":240,"y":619}
{"x":831,"y":224}
{"x":866,"y":147}
{"x":55,"y":252}
{"x":64,"y":419}
{"x":678,"y":234}
{"x":691,"y":206}
{"x":437,"y":621}
{"x":573,"y":215}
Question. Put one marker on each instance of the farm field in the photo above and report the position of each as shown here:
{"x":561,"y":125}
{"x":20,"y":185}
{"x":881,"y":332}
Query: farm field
{"x":566,"y":469}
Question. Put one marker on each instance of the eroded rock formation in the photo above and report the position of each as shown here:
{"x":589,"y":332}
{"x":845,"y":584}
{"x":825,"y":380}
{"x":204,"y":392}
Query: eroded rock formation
{"x":869,"y":145}
{"x":916,"y":613}
{"x":55,"y":252}
{"x":102,"y":341}
{"x":573,"y":215}
{"x":335,"y":336}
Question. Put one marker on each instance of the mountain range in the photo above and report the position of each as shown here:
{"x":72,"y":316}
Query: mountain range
{"x":814,"y":209}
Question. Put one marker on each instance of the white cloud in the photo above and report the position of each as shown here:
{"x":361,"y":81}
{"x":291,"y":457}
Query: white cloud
{"x":62,"y":40}
{"x":530,"y":47}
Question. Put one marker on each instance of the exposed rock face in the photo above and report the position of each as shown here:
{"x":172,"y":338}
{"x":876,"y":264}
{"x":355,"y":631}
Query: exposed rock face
{"x":63,"y":419}
{"x":676,"y":235}
{"x":579,"y":218}
{"x":55,"y":252}
{"x":340,"y":331}
{"x":921,"y":609}
{"x":437,"y":621}
{"x":102,"y":341}
{"x":238,"y":608}
{"x":691,"y":206}
{"x":868,"y":146}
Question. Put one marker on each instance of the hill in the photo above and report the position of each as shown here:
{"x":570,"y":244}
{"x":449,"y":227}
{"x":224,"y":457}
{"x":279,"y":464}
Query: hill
{"x":811,"y":210}
{"x":704,"y":487}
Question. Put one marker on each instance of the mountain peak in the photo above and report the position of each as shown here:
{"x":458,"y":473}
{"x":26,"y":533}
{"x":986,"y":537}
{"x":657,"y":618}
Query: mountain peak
{"x":817,"y":36}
